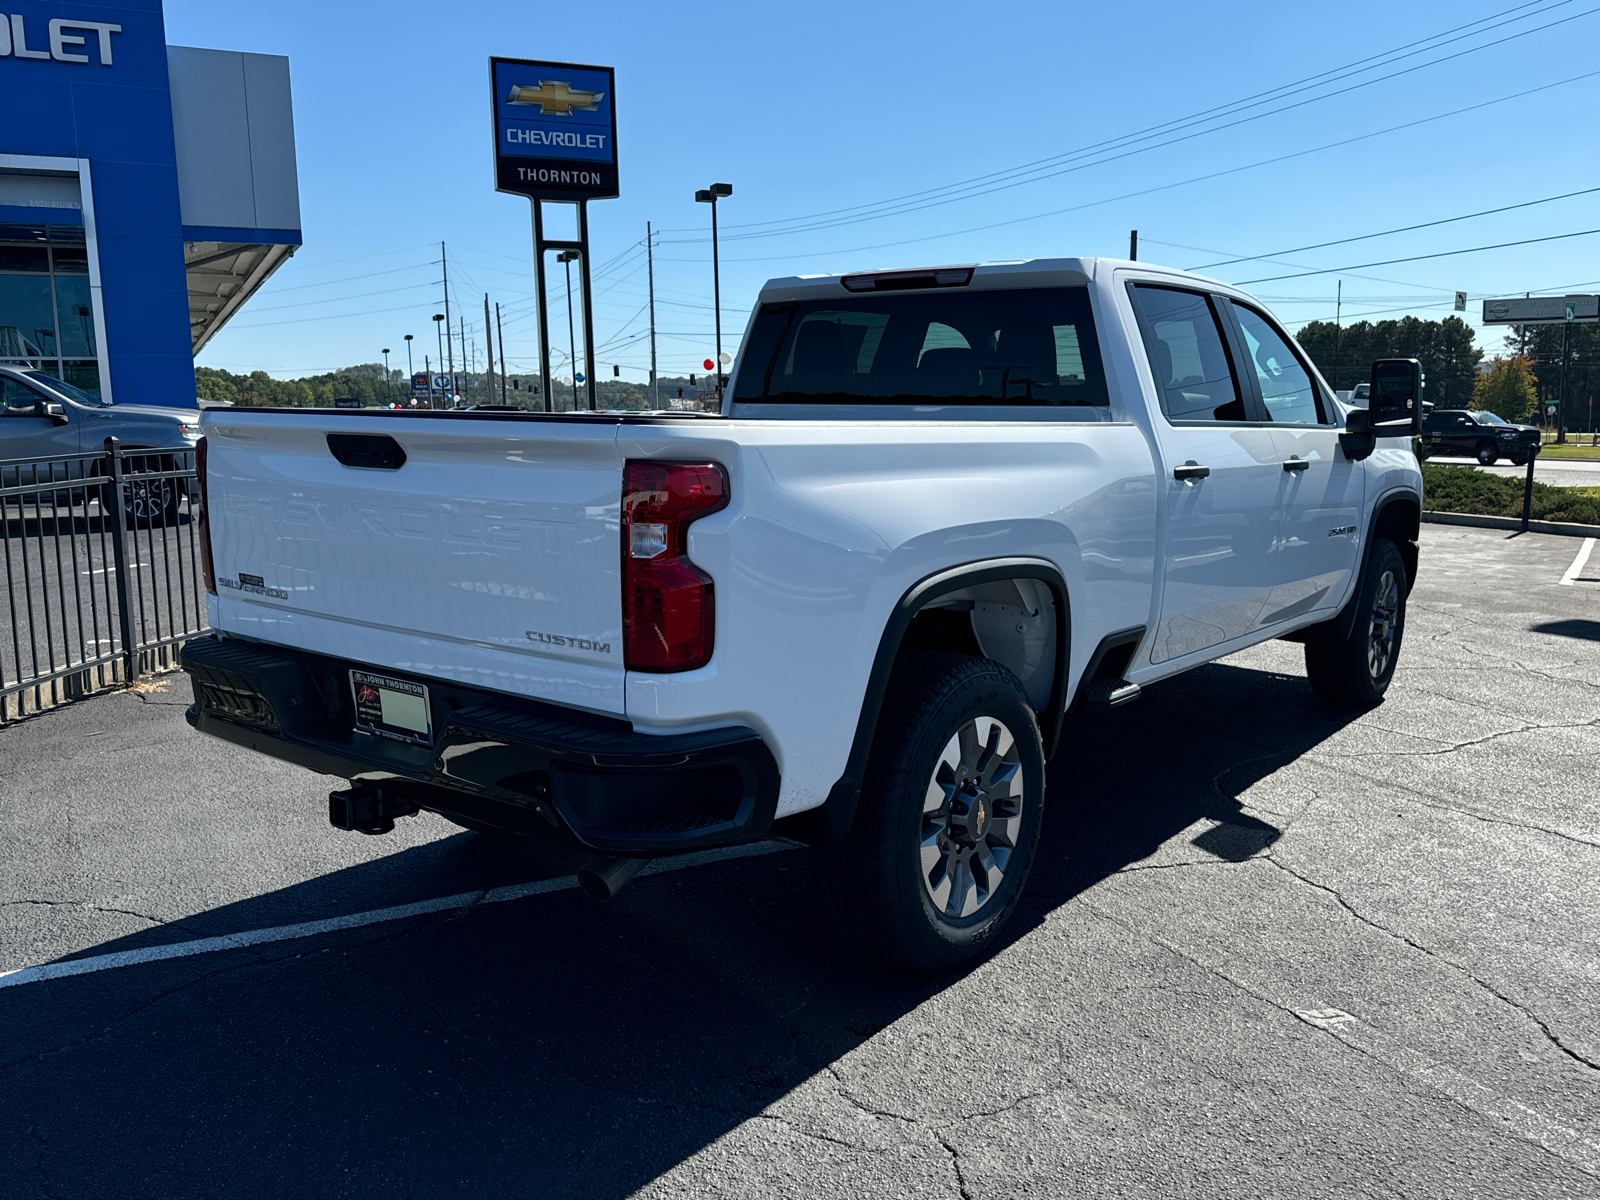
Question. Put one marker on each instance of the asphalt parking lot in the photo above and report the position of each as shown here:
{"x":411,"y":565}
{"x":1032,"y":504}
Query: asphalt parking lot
{"x":1268,"y":951}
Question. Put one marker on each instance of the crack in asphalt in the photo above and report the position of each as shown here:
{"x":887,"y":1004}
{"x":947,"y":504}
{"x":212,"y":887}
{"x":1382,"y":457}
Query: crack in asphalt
{"x":38,"y":1160}
{"x":1449,"y":748}
{"x":1543,"y":1026}
{"x":127,"y":912}
{"x":955,"y":1165}
{"x":1365,"y":1052}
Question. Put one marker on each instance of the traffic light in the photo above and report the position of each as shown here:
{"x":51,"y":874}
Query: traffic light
{"x":616,"y":371}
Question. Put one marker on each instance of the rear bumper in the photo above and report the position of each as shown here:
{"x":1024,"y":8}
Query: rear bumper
{"x":496,"y":759}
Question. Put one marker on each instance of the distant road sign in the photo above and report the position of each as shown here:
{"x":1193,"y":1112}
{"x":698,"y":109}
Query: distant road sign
{"x":1461,"y":302}
{"x":419,"y":384}
{"x":347,"y":402}
{"x":1541,"y":310}
{"x":441,"y":383}
{"x":1550,"y":410}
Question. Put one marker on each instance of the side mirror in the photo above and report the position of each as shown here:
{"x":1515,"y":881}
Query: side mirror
{"x":56,"y":412}
{"x":1395,"y":405}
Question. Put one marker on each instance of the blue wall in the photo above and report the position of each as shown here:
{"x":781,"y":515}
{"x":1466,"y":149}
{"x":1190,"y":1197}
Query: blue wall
{"x":120,"y":118}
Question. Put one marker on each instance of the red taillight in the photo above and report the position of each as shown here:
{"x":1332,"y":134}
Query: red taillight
{"x":667,"y":611}
{"x":204,"y":521}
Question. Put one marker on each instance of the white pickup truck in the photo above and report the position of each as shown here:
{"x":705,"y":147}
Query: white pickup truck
{"x":942,"y":511}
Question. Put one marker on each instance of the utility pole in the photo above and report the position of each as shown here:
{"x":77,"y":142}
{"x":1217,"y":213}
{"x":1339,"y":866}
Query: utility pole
{"x":488,"y":341}
{"x":650,"y":262}
{"x":1338,"y":331}
{"x":451,"y":360}
{"x":464,"y":367}
{"x":500,"y":336}
{"x":1133,"y":244}
{"x":565,"y":258}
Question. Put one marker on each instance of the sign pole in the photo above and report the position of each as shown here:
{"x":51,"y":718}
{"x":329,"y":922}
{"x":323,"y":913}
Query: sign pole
{"x":588,"y":308}
{"x":539,"y":290}
{"x":1561,"y":389}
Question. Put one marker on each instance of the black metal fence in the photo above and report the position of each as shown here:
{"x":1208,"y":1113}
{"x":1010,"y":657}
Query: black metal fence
{"x":102,"y":571}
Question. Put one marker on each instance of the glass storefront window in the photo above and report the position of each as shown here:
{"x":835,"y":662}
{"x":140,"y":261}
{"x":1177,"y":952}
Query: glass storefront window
{"x":46,"y":314}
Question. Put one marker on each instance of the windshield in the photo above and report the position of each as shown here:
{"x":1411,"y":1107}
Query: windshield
{"x":1028,"y":347}
{"x":1488,"y":418}
{"x":67,"y":390}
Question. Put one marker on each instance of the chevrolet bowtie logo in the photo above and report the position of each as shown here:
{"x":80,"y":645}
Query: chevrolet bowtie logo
{"x":556,"y":99}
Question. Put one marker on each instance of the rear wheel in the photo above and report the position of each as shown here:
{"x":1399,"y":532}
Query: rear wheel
{"x":951,"y":810}
{"x":1487,"y":454}
{"x":1355,"y":671}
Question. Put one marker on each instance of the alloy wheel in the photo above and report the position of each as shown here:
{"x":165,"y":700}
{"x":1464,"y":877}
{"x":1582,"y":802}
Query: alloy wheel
{"x":1383,"y":628}
{"x":971,"y":817}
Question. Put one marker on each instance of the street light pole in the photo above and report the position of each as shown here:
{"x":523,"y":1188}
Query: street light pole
{"x":411,"y":368}
{"x":438,"y":328}
{"x":566,"y":258}
{"x":388,"y":387}
{"x":710,"y":195}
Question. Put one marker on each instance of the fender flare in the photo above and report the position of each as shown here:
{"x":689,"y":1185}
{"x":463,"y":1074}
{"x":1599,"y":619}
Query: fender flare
{"x":832,"y":822}
{"x":1345,"y":621}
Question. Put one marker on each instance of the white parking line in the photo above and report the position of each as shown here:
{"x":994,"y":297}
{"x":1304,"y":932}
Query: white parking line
{"x":1578,"y":563}
{"x":284,"y":933}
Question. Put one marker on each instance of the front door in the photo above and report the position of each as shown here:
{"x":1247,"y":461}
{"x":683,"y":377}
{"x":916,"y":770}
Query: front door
{"x":1223,"y":477}
{"x":1319,"y":519}
{"x":25,"y":429}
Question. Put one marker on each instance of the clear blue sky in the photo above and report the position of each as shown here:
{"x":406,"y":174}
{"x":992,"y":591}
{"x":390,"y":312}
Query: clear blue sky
{"x":811,"y":109}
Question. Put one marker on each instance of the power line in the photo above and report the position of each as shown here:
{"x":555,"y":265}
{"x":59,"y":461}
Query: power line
{"x":1388,"y":262}
{"x":987,"y":185}
{"x":1266,"y":162}
{"x":1153,"y":129}
{"x":1488,"y":212}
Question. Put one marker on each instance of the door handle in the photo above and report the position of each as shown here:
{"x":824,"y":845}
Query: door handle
{"x":1190,"y":470}
{"x":1296,"y":464}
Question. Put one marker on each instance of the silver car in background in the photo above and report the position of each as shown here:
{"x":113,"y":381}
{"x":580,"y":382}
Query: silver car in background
{"x":42,"y":417}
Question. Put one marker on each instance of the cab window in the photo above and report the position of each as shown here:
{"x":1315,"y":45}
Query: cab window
{"x":17,"y":399}
{"x":1287,"y":389}
{"x":1188,"y":355}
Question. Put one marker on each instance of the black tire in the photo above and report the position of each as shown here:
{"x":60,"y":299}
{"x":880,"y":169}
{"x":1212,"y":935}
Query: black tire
{"x":899,"y":857}
{"x":1355,"y":671}
{"x":1518,"y":462}
{"x":1488,"y":454}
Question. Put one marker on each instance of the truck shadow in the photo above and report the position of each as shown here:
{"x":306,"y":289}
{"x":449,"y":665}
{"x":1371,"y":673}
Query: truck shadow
{"x":549,"y":1046}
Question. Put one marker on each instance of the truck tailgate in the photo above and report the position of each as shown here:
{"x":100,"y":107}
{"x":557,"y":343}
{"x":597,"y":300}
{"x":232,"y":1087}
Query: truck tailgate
{"x":491,"y":556}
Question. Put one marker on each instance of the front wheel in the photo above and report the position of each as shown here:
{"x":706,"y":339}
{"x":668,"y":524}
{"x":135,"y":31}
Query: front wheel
{"x":1355,"y":671}
{"x":951,"y":810}
{"x":1487,"y":454}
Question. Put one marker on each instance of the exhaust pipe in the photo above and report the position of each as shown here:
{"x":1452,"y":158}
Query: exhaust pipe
{"x":603,"y":877}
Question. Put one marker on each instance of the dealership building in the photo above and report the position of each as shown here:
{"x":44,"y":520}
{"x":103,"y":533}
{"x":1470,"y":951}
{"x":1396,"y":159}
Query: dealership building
{"x":146,"y":191}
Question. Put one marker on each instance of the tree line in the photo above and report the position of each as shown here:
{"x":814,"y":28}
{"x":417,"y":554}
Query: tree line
{"x":367,"y":384}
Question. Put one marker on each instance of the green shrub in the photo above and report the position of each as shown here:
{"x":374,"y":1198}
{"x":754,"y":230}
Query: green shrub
{"x":1466,"y":490}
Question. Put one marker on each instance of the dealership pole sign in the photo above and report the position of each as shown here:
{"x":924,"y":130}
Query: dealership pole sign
{"x":555,"y":129}
{"x":555,"y":140}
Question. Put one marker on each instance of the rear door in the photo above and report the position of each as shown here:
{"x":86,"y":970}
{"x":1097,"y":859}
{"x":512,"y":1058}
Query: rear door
{"x":1322,"y":491}
{"x":1222,"y":475}
{"x":489,"y":555}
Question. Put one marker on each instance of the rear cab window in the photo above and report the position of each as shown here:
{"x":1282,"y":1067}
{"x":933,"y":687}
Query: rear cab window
{"x":1189,"y":355}
{"x":1032,"y":348}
